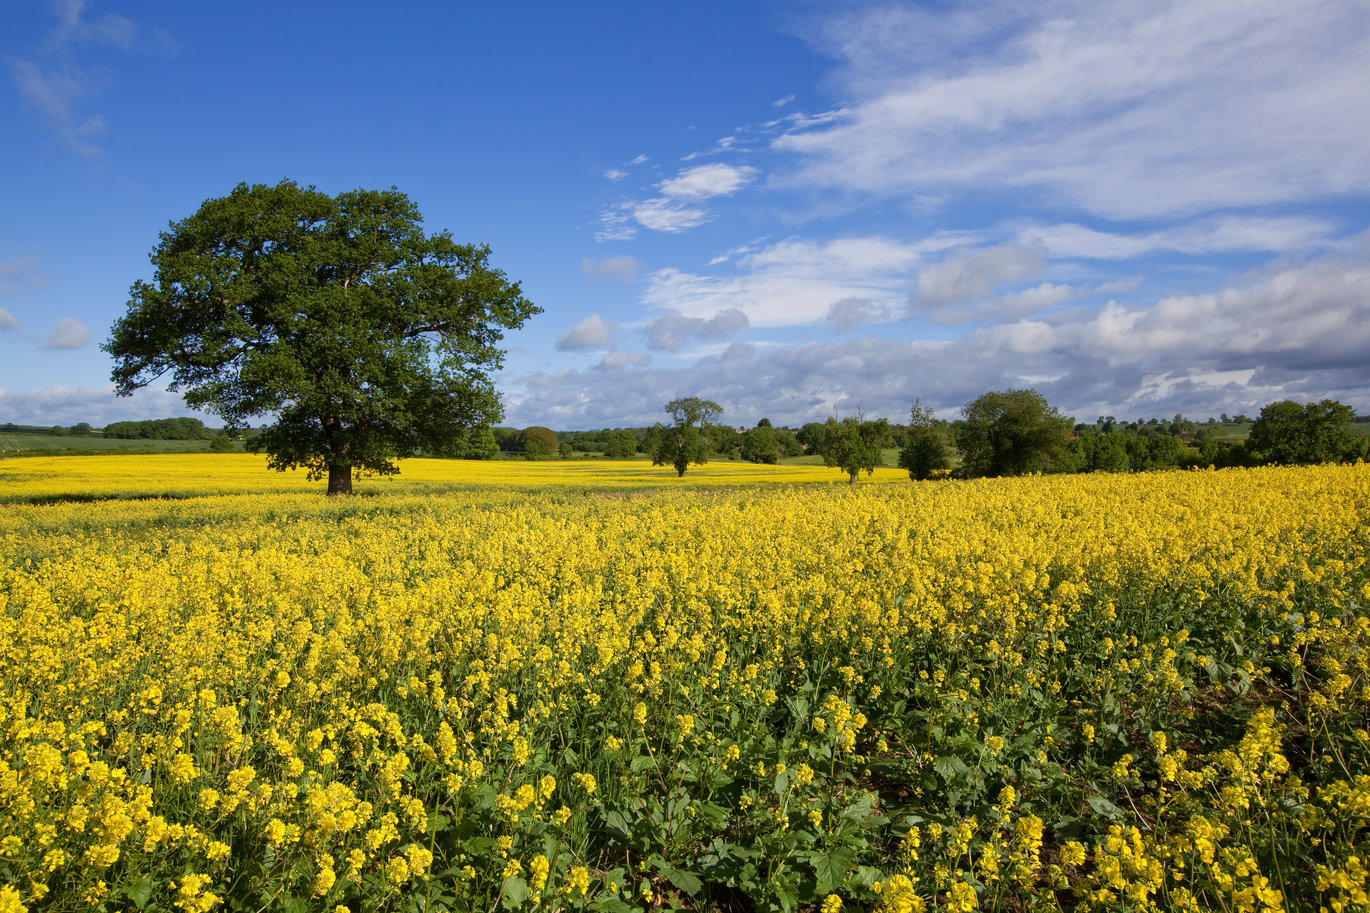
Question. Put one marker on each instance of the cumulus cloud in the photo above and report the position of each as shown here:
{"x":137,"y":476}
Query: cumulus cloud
{"x":963,"y":277}
{"x":8,"y":321}
{"x":594,"y":332}
{"x":623,"y":267}
{"x":849,"y":313}
{"x":1296,"y":330}
{"x":1124,"y":111}
{"x":615,"y":174}
{"x":797,"y":280}
{"x":67,"y":333}
{"x":671,"y":330}
{"x":97,"y":405}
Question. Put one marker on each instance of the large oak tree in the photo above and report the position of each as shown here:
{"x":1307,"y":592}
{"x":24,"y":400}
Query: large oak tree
{"x":366,"y":338}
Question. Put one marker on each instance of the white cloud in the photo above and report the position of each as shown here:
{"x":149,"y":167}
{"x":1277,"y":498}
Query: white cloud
{"x":849,"y":313}
{"x":55,"y":85}
{"x":616,"y":224}
{"x":593,"y":332}
{"x":667,"y":215}
{"x":622,"y":358}
{"x":97,"y":405}
{"x":678,"y":209}
{"x":67,"y":333}
{"x":704,"y":181}
{"x":23,"y":268}
{"x":963,"y":277}
{"x":1295,"y":330}
{"x":1125,"y":111}
{"x":639,"y":159}
{"x":8,"y":321}
{"x":671,"y":330}
{"x":623,"y":267}
{"x":614,"y":174}
{"x":1205,"y":236}
{"x":56,"y":94}
{"x":797,"y":281}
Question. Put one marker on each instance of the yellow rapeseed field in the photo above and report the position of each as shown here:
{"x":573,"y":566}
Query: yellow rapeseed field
{"x":557,"y":686}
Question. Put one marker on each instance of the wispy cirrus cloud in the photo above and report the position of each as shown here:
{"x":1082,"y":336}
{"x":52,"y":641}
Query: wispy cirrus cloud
{"x":1222,"y":234}
{"x":55,"y":82}
{"x":678,"y":207}
{"x":1127,"y":112}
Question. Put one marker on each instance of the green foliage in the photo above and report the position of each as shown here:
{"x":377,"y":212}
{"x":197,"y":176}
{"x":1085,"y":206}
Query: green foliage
{"x":1289,"y":434}
{"x":221,"y":443}
{"x":812,"y":436}
{"x":537,"y":442}
{"x":481,"y":444}
{"x":162,"y":429}
{"x":369,"y":339}
{"x":761,"y":445}
{"x":854,"y":444}
{"x":1010,"y":433}
{"x":685,"y":440}
{"x":926,"y":452}
{"x":622,"y":445}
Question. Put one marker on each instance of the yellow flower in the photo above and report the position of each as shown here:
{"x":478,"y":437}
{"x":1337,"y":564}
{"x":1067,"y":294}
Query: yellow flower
{"x":537,"y":872}
{"x":10,"y":900}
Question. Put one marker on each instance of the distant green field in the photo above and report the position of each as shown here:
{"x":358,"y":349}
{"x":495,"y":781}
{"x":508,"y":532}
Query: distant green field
{"x":32,"y":444}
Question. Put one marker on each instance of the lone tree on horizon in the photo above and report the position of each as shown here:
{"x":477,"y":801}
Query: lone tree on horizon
{"x":685,"y":440}
{"x":367,"y":338}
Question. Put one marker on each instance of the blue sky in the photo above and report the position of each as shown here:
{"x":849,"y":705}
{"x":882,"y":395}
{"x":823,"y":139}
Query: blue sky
{"x":793,"y":209}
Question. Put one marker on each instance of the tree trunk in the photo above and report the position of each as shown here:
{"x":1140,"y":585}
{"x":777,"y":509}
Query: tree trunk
{"x":340,"y":480}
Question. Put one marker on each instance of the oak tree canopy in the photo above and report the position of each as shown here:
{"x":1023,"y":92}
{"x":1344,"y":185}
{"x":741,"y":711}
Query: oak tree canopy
{"x":364,"y":337}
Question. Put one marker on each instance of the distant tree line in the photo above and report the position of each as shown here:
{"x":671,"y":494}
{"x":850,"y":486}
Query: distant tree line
{"x":1015,"y":432}
{"x":160,"y":429}
{"x":1000,"y":433}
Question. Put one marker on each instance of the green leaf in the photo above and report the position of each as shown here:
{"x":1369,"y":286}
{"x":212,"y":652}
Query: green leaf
{"x":787,"y":893}
{"x":782,"y":782}
{"x":618,"y":824}
{"x":140,"y":891}
{"x":683,"y":881}
{"x":1106,"y":808}
{"x":950,"y":767}
{"x":716,"y":816}
{"x":515,"y":893}
{"x":610,"y":904}
{"x":858,"y":809}
{"x":830,"y":866}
